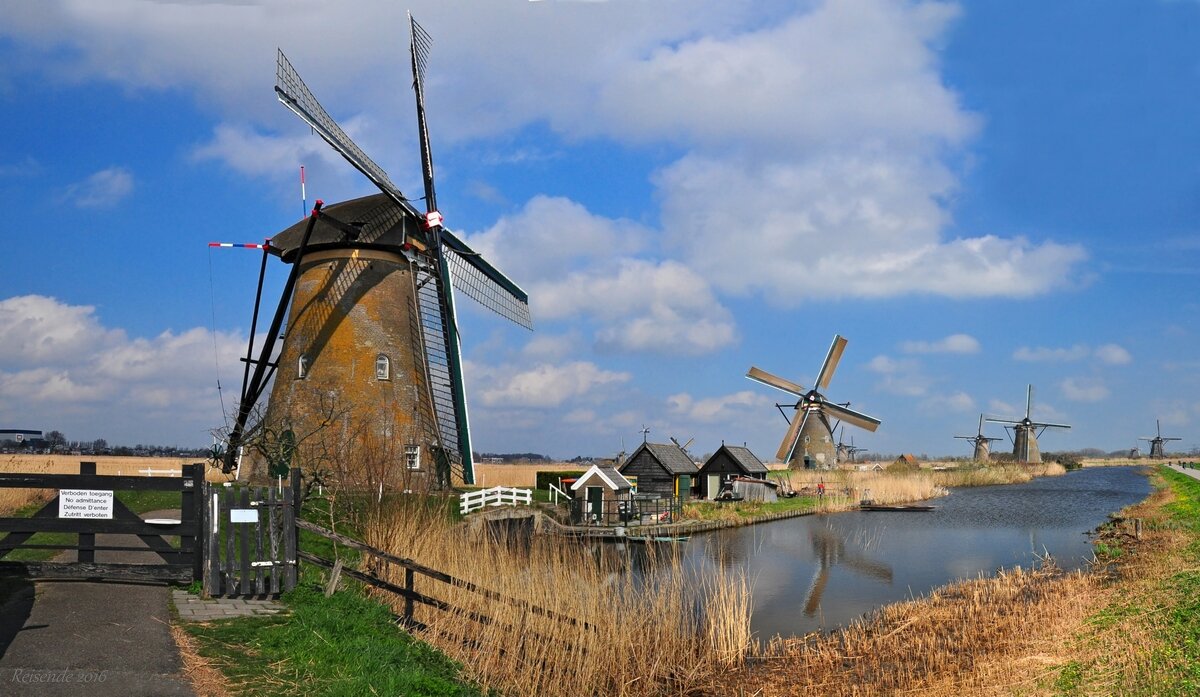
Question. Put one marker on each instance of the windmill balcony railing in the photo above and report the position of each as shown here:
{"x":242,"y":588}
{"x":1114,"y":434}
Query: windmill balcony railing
{"x":496,"y":496}
{"x":627,"y":512}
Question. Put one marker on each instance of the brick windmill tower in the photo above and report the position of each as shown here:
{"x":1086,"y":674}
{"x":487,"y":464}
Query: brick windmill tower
{"x":1158,"y":442}
{"x":1025,"y":432}
{"x":370,"y":353}
{"x":809,"y":440}
{"x":983,"y":444}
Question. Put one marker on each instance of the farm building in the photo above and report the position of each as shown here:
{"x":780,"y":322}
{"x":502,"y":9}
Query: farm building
{"x":603,"y":494}
{"x":728,"y":462}
{"x":662,"y":470}
{"x":752,"y":489}
{"x":907,"y":461}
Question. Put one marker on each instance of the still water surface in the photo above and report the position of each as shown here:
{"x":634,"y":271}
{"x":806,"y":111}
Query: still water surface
{"x":818,"y":572}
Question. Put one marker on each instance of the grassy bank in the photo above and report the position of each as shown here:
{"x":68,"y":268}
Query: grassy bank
{"x":1130,"y":626}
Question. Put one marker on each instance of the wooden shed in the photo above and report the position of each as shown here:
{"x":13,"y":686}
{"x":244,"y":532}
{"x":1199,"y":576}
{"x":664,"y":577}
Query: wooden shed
{"x":728,"y":462}
{"x":602,"y":494}
{"x":661,"y":470}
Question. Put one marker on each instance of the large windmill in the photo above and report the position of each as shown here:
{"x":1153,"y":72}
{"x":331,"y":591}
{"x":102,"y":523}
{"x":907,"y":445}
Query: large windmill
{"x":809,"y":440}
{"x":371,"y":349}
{"x":983,"y":444}
{"x":1156,"y":443}
{"x":1025,"y":432}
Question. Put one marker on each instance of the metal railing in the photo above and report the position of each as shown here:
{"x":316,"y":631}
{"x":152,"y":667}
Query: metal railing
{"x":636,"y":511}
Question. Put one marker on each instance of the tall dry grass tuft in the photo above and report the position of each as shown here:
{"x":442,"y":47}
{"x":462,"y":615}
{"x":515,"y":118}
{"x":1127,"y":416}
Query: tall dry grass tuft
{"x":1009,"y":473}
{"x":845,"y":489}
{"x":667,"y":634}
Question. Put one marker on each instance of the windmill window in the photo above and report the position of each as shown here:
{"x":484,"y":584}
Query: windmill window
{"x":383,"y":367}
{"x":412,"y":457}
{"x":302,"y":367}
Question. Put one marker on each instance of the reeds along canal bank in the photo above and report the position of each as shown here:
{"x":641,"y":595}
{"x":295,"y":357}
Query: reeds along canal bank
{"x":1129,"y":625}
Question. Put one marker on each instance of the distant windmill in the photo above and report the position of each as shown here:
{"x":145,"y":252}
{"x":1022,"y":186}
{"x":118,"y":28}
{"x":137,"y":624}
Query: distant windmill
{"x":372,"y":323}
{"x":1156,"y":443}
{"x":684,"y":447}
{"x":983,"y":444}
{"x":809,"y":440}
{"x":846,"y":452}
{"x":1026,"y":432}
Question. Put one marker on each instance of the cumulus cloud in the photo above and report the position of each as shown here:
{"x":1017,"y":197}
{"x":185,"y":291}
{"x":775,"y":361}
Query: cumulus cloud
{"x":61,"y":368}
{"x":1084,"y":389}
{"x":717,"y":410}
{"x":578,"y":267}
{"x":903,"y":377}
{"x":954,"y":402}
{"x":955,"y":343}
{"x":103,"y":189}
{"x":1110,"y":354}
{"x":1113,"y":354}
{"x":545,"y":385}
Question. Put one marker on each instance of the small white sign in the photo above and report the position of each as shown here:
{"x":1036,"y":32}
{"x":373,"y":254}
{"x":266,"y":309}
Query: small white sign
{"x":85,"y":503}
{"x":243,"y":515}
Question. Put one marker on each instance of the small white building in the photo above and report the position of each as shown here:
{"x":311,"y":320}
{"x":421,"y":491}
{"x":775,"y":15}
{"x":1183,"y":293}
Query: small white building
{"x":603,"y":496}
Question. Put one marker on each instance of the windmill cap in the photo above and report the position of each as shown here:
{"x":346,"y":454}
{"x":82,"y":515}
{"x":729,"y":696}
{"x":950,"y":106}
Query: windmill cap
{"x":383,"y":225}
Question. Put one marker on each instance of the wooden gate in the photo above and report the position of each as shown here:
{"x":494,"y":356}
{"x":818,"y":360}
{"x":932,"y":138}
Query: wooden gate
{"x":250,"y":538}
{"x":86,"y":506}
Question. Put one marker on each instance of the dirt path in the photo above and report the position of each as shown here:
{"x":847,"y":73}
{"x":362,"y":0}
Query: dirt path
{"x":94,"y":639}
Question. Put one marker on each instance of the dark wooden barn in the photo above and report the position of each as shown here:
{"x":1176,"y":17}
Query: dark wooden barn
{"x":728,"y":462}
{"x":661,"y":469}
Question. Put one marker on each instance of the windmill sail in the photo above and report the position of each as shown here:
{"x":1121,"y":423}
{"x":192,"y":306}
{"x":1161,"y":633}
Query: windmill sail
{"x":442,"y":261}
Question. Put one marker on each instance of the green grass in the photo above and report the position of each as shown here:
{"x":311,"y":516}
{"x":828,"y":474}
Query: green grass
{"x":342,"y":645}
{"x":1173,"y":666}
{"x":708,"y":510}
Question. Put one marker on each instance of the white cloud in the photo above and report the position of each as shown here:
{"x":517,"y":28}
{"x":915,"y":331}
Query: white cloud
{"x":564,"y":256}
{"x":1084,"y":389}
{"x":103,"y":189}
{"x":545,"y":385}
{"x":62,"y":369}
{"x":1044,"y":354}
{"x":955,"y":343}
{"x":900,"y":377}
{"x":718,"y":410}
{"x":955,"y":402}
{"x":1110,"y":354}
{"x":1113,"y":354}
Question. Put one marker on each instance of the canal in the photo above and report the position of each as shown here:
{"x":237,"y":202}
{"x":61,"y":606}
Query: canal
{"x":818,"y":572}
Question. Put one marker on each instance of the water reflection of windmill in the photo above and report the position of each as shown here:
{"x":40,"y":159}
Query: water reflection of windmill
{"x":809,"y":440}
{"x":983,"y":444}
{"x":1025,"y":432}
{"x":1156,"y":443}
{"x":829,"y":547}
{"x":372,"y":323}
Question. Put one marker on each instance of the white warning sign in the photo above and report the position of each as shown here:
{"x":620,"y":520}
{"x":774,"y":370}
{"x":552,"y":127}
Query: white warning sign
{"x":85,"y":503}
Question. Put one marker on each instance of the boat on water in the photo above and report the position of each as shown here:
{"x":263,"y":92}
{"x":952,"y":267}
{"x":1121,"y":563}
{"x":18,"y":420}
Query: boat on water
{"x":641,"y":539}
{"x":868,"y":506}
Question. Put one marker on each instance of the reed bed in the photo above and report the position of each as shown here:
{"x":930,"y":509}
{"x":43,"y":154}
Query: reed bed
{"x":984,"y":636}
{"x":669,"y":632}
{"x":996,"y":474}
{"x":845,"y":488}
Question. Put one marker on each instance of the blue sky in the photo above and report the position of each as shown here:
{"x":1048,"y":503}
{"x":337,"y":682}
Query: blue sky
{"x":978,"y":196}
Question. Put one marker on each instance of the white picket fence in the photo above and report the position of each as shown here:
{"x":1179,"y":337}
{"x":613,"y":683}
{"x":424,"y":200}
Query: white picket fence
{"x":496,"y":496}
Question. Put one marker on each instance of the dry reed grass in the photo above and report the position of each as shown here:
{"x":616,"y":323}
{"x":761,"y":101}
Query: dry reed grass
{"x":845,"y":488}
{"x":985,"y":636}
{"x":487,"y":474}
{"x":105,"y":464}
{"x":639,"y":638}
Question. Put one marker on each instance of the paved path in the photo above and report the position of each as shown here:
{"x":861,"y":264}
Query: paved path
{"x":94,"y":639}
{"x":1190,"y":471}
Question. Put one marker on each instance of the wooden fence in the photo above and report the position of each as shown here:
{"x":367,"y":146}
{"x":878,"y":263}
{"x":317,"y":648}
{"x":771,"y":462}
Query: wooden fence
{"x":250,"y":547}
{"x":85,"y":506}
{"x":379,"y":559}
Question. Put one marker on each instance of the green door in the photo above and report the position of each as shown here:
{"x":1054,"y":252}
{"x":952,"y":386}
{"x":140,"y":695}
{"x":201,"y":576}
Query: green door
{"x":595,"y":503}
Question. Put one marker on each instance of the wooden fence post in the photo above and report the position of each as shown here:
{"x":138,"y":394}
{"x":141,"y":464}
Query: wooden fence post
{"x":408,"y":599}
{"x":291,"y":535}
{"x":87,"y":540}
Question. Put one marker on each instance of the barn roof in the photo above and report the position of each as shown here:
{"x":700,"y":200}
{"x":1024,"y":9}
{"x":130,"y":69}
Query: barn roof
{"x":748,"y":460}
{"x":671,"y":457}
{"x":608,"y":473}
{"x":383,"y":226}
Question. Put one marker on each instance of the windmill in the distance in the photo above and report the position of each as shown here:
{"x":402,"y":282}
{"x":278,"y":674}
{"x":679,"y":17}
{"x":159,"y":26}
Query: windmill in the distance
{"x":983,"y":444}
{"x":1025,"y":432}
{"x":809,"y":440}
{"x":371,"y":349}
{"x":1157,"y":451}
